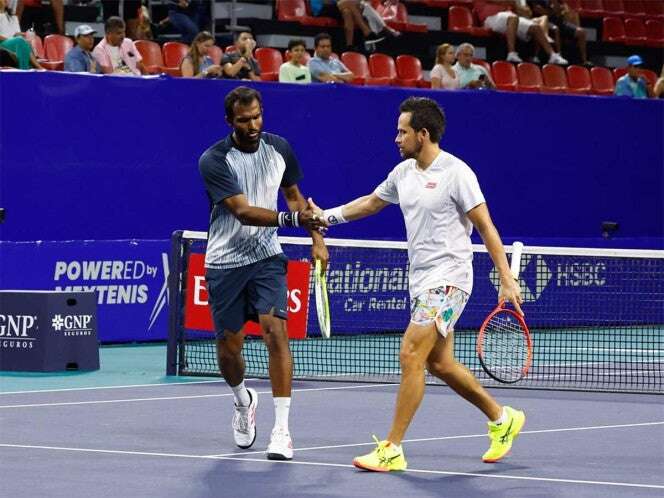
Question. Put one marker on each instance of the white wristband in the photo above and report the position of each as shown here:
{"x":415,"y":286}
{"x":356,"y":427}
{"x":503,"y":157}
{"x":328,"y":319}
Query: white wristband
{"x":334,"y":216}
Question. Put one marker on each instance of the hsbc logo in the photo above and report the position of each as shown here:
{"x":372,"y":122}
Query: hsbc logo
{"x":72,"y":325}
{"x":531,"y":288}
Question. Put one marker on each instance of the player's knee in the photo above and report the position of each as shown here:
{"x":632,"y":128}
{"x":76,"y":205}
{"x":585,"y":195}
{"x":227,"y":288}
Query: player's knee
{"x":410,"y":360}
{"x":441,"y":368}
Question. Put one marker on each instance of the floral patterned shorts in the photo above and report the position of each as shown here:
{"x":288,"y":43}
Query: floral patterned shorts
{"x":442,"y":305}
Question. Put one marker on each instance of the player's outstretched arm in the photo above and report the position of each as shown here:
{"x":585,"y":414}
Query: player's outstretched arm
{"x":509,"y":288}
{"x":246,"y":214}
{"x":359,"y":208}
{"x":297,"y":202}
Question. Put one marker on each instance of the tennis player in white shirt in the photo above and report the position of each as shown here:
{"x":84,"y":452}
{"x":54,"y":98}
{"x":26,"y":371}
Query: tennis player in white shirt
{"x":441,"y":201}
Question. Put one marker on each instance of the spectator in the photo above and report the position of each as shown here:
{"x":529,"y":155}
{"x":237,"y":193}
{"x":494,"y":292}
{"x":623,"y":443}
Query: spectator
{"x":197,"y":63}
{"x":632,"y":84}
{"x":189,"y":17}
{"x":31,"y":13}
{"x":499,"y":18}
{"x":443,"y":74}
{"x":295,"y":70}
{"x":117,"y":54}
{"x":12,"y":39}
{"x":323,"y":68}
{"x":658,"y":91}
{"x":376,"y":22}
{"x":80,"y":59}
{"x":240,"y":64}
{"x":562,"y":17}
{"x":351,"y":13}
{"x":470,"y":75}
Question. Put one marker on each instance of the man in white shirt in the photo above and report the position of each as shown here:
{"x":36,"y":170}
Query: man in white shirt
{"x":441,"y":201}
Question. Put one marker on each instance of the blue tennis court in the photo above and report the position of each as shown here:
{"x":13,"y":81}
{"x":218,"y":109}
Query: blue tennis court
{"x":145,"y":436}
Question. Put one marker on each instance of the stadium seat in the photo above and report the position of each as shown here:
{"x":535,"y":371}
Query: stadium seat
{"x":269,"y":60}
{"x":36,"y":42}
{"x":409,"y":69}
{"x":55,"y":48}
{"x":655,"y":33}
{"x":460,"y":20}
{"x":530,"y":77}
{"x":635,"y":9}
{"x":613,"y":30}
{"x":650,"y":76}
{"x":654,"y":10}
{"x":151,"y":53}
{"x":574,"y":4}
{"x":504,"y":76}
{"x":173,"y":53}
{"x":591,"y":8}
{"x":399,"y":19}
{"x":578,"y":79}
{"x":555,"y":79}
{"x":297,"y":11}
{"x":216,"y":53}
{"x":635,"y":32}
{"x":359,"y":66}
{"x":383,"y":66}
{"x":602,"y":81}
{"x":613,"y":7}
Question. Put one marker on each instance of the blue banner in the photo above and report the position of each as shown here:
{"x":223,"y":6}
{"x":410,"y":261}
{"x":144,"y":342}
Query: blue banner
{"x":129,"y":277}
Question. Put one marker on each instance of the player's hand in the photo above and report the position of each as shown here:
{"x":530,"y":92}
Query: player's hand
{"x":310,"y":220}
{"x":510,"y":290}
{"x":319,"y":212}
{"x":319,"y":252}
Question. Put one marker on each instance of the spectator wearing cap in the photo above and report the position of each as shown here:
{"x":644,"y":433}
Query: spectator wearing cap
{"x":633,"y":84}
{"x":325,"y":69}
{"x":80,"y":59}
{"x":116,"y":53}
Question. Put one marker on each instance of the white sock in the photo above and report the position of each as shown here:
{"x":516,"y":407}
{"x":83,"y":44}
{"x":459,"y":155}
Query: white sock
{"x":241,"y":394}
{"x":502,"y":418}
{"x":281,"y":409}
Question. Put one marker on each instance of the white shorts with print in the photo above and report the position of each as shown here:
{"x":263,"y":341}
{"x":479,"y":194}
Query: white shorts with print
{"x":498,"y":24}
{"x":442,"y":305}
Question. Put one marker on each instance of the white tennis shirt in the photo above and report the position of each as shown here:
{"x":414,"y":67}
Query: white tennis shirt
{"x":434,"y":203}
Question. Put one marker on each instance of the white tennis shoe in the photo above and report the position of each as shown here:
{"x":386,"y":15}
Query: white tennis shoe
{"x":244,"y":422}
{"x":281,"y":446}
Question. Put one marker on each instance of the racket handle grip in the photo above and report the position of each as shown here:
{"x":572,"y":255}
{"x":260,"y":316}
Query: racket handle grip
{"x":515,"y":263}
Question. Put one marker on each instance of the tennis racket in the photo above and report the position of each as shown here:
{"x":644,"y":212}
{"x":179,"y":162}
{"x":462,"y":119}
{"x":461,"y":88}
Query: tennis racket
{"x":322,"y":303}
{"x":504,"y":346}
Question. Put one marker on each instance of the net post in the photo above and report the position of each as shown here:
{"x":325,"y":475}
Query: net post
{"x":175,"y":304}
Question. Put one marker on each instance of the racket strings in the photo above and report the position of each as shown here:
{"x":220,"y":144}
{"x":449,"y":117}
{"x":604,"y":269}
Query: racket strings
{"x":504,"y":347}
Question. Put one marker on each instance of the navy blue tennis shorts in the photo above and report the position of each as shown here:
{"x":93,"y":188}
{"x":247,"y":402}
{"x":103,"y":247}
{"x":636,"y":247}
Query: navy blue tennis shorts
{"x":240,"y":294}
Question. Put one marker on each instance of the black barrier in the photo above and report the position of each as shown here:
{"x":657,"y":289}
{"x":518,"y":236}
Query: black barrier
{"x":42,"y":331}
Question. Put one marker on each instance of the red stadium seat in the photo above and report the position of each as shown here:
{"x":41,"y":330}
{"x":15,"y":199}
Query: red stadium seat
{"x":358,"y":65}
{"x":574,"y":4}
{"x":269,"y":60}
{"x":635,"y":32}
{"x":655,"y":33}
{"x":578,"y":78}
{"x":297,"y":11}
{"x":654,"y":10}
{"x":216,"y":53}
{"x":555,"y":80}
{"x":530,"y":77}
{"x":613,"y":30}
{"x":383,"y":66}
{"x":634,"y":9}
{"x":36,"y":42}
{"x":614,"y":7}
{"x":151,"y":54}
{"x":173,"y":53}
{"x":409,"y":70}
{"x":460,"y":20}
{"x":504,"y":76}
{"x":397,"y":17}
{"x":55,"y":48}
{"x":591,"y":8}
{"x":602,"y":81}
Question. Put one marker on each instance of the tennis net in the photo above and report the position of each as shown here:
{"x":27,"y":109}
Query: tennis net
{"x":596,"y":316}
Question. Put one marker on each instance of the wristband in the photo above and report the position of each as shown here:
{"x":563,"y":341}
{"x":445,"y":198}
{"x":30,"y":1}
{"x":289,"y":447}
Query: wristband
{"x":334,"y":216}
{"x":288,"y":219}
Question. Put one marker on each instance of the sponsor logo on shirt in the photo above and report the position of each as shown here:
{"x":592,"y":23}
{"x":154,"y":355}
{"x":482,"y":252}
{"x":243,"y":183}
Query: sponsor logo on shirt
{"x":430,"y":185}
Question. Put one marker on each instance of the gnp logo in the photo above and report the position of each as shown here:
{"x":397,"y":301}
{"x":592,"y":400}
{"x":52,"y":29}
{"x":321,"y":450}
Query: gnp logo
{"x":16,"y":331}
{"x":72,"y":325}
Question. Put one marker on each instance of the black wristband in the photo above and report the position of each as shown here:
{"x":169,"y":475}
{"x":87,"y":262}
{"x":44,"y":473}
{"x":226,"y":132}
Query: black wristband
{"x":288,"y":219}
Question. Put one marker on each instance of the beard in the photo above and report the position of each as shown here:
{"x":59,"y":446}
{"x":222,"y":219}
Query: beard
{"x":412,"y":154}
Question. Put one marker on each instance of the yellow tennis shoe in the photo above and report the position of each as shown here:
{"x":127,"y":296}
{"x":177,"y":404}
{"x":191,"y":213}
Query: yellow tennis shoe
{"x":502,"y":436}
{"x":386,"y":457}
